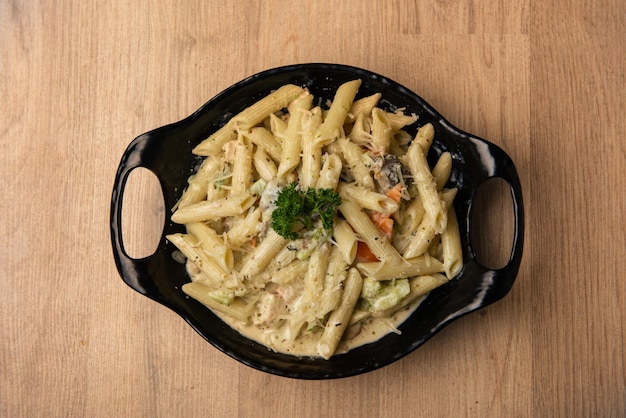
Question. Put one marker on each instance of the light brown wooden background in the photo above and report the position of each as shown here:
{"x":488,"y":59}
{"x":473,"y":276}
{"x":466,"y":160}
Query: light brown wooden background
{"x":545,"y":80}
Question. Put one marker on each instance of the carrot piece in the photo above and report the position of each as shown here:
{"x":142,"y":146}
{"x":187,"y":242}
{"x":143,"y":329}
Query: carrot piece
{"x":395,"y":193}
{"x":364,"y":254}
{"x":385,"y":225}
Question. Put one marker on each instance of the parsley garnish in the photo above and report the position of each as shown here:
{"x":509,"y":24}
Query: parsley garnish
{"x":296,"y":208}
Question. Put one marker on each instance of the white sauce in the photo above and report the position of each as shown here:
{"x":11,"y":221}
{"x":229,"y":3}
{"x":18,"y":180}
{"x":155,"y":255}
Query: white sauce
{"x":371,"y":330}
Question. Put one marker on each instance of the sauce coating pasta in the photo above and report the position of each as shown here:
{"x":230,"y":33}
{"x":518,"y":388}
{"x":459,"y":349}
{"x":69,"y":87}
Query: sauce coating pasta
{"x":313,"y":230}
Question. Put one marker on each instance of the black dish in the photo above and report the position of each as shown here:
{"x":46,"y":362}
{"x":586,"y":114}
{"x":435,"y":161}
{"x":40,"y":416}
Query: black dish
{"x":166,"y":151}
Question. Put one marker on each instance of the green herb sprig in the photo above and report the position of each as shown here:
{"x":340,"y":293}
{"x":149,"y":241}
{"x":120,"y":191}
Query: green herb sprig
{"x":296,"y":209}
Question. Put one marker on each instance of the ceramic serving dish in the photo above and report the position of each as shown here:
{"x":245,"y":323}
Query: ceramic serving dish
{"x":166,"y":152}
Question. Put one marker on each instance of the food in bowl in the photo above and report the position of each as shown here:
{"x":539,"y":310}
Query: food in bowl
{"x":313,"y":228}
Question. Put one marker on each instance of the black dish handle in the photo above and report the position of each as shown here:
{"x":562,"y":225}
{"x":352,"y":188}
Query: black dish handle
{"x":505,"y":170}
{"x":130,"y":269}
{"x":478,"y":161}
{"x":146,"y":151}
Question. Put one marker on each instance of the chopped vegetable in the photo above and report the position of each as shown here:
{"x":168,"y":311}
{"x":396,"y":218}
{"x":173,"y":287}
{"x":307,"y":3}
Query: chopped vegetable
{"x":384,"y":295}
{"x":296,"y":209}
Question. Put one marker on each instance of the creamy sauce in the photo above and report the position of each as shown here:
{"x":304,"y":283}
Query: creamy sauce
{"x":371,"y":330}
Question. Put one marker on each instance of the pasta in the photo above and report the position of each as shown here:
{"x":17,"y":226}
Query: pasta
{"x":306,"y":228}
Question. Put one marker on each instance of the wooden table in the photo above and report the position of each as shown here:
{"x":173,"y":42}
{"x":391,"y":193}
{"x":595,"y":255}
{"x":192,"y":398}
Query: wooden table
{"x":545,"y":80}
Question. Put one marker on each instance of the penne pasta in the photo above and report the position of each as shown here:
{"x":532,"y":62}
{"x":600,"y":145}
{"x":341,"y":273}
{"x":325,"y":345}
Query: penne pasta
{"x":299,"y":213}
{"x":368,"y":199}
{"x":381,"y":131}
{"x":202,"y":293}
{"x":419,"y":286}
{"x":427,"y":229}
{"x":197,"y":189}
{"x":292,"y":271}
{"x":262,"y":109}
{"x":340,"y":318}
{"x":208,"y":210}
{"x":346,"y":241}
{"x":424,"y":137}
{"x":362,"y":106}
{"x":244,"y":230}
{"x":212,"y":244}
{"x":441,"y":170}
{"x":188,"y":245}
{"x":330,"y":172}
{"x":292,"y":142}
{"x":266,"y":141}
{"x":214,"y":143}
{"x":334,"y":120}
{"x":264,"y":165}
{"x":451,"y":246}
{"x":426,"y":186}
{"x":263,"y":254}
{"x":361,"y":130}
{"x":369,"y":233}
{"x":311,"y":151}
{"x":399,"y":120}
{"x":242,"y":169}
{"x":408,"y":268}
{"x":353,"y":154}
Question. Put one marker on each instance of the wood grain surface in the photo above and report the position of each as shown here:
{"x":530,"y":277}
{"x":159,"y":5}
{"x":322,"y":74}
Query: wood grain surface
{"x":544,"y":80}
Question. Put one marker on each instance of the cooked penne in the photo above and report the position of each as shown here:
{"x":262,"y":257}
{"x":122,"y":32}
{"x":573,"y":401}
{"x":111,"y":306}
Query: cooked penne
{"x":334,"y":120}
{"x":188,"y":245}
{"x":369,"y":233}
{"x":244,"y":230}
{"x":238,"y":309}
{"x":263,"y":254}
{"x":346,"y":240}
{"x":408,"y":268}
{"x":361,"y":132}
{"x":197,"y":189}
{"x":208,"y":210}
{"x":427,"y":229}
{"x":381,"y":131}
{"x":334,"y":278}
{"x":353,"y":154}
{"x":278,"y":127}
{"x":262,"y":109}
{"x":264,"y":165}
{"x":242,"y":169}
{"x":248,"y":118}
{"x":362,"y":106}
{"x":214,"y":143}
{"x":314,"y":282}
{"x":451,"y":246}
{"x":212,"y":244}
{"x":292,"y":142}
{"x":441,"y":170}
{"x":340,"y":318}
{"x":292,"y":271}
{"x":368,"y":199}
{"x":311,"y":151}
{"x":426,"y":185}
{"x":330,"y":172}
{"x":265,"y":141}
{"x":398,"y":120}
{"x":424,"y":137}
{"x":301,"y":212}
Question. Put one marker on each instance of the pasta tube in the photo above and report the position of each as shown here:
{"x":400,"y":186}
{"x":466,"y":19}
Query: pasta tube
{"x":340,"y":318}
{"x":208,"y":210}
{"x":342,"y":102}
{"x":411,"y":267}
